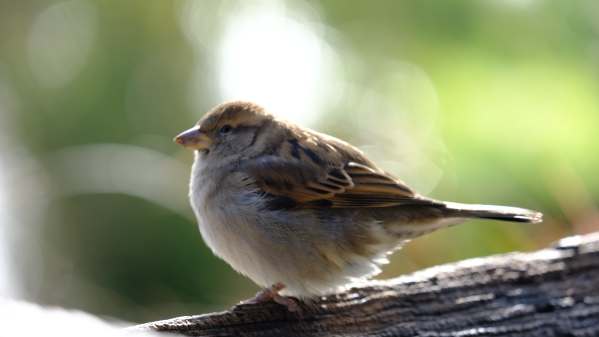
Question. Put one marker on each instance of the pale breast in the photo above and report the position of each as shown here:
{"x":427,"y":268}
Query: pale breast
{"x":231,"y":224}
{"x":312,"y":254}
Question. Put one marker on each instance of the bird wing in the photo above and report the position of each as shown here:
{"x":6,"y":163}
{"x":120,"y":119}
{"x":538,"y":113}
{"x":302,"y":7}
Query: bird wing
{"x":308,"y":174}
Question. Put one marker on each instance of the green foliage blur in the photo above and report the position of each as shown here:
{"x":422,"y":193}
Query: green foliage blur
{"x":473,"y":101}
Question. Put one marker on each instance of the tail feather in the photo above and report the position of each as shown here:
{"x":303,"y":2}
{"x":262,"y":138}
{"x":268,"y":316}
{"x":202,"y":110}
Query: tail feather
{"x":502,"y":213}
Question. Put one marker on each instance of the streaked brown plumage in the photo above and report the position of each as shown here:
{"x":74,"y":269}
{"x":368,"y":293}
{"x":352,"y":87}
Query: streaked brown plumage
{"x":303,"y":211}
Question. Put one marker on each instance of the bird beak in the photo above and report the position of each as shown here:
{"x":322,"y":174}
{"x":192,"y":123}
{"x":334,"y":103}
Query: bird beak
{"x":194,"y":138}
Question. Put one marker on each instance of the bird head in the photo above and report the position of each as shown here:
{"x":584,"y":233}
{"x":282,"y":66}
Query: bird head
{"x":227,"y":129}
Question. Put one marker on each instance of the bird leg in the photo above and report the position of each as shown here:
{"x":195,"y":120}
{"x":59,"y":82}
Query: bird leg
{"x":272,"y":294}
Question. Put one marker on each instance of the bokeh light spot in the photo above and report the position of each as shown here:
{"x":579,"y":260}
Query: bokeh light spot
{"x":60,"y":40}
{"x":276,"y":60}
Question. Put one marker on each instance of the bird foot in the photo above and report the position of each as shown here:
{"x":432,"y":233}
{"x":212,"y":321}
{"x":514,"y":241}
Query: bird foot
{"x":272,"y":294}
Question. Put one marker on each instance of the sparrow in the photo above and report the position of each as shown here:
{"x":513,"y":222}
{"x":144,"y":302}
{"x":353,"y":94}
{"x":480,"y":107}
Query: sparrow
{"x":301,"y":213}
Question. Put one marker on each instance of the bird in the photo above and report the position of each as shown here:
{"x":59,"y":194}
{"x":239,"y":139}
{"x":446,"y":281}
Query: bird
{"x":302,"y":213}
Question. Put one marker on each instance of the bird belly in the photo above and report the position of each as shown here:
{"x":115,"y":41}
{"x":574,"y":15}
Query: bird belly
{"x":233,"y":231}
{"x":311,"y":253}
{"x":309,"y":258}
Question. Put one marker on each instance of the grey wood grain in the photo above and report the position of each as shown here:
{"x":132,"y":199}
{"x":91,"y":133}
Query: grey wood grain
{"x":551,"y":292}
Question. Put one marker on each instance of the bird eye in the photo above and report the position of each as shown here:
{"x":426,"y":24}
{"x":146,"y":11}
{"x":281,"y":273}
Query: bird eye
{"x":225,"y":129}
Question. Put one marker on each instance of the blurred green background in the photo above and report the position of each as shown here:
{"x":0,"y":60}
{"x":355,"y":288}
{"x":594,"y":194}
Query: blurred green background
{"x":474,"y":101}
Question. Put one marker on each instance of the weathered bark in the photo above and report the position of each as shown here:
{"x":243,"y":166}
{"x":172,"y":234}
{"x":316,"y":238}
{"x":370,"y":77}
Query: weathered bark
{"x":552,"y":292}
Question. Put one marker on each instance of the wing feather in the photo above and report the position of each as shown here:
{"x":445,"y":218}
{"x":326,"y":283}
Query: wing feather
{"x":341,"y":177}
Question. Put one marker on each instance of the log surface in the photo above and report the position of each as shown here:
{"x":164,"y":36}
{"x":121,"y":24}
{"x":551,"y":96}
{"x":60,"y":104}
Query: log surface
{"x":551,"y":292}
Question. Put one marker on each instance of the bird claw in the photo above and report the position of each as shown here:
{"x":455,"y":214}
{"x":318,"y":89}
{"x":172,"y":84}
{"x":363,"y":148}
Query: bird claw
{"x":272,"y":294}
{"x":289,"y":302}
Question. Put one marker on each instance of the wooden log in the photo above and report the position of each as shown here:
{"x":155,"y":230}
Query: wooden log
{"x":551,"y":292}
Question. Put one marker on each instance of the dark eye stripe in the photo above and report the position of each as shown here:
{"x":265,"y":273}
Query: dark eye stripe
{"x":225,"y":128}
